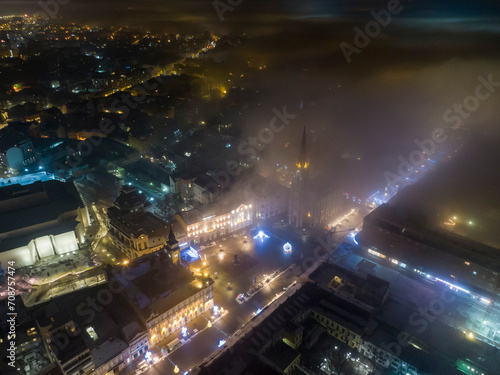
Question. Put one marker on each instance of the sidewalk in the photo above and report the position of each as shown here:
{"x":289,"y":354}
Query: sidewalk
{"x":160,"y":350}
{"x":199,"y":323}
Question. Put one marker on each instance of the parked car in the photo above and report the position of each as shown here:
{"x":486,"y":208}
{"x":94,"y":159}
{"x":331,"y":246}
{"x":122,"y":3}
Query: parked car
{"x":240,"y":298}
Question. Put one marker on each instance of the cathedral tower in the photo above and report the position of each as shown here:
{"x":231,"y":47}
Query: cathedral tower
{"x":297,"y":208}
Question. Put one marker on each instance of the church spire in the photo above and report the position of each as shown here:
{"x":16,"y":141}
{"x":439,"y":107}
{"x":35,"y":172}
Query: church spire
{"x":302,"y":162}
{"x":172,"y":241}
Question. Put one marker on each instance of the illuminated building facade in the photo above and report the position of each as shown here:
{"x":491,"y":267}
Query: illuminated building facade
{"x":215,"y":223}
{"x":133,"y":228}
{"x":171,"y":313}
{"x":40,"y":220}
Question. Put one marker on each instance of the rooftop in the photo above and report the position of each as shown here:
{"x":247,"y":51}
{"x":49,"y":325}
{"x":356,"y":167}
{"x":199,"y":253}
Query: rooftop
{"x":281,"y":355}
{"x":103,"y":353}
{"x":140,"y":224}
{"x":373,"y":285}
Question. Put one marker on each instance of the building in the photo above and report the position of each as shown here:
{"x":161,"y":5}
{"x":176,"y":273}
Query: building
{"x":192,"y":188}
{"x":312,"y":200}
{"x":371,"y":291}
{"x":268,"y":198}
{"x":132,"y":227}
{"x":83,"y":338}
{"x":440,"y":255}
{"x":214,"y":221}
{"x":316,"y":321}
{"x":149,"y":174}
{"x":16,"y":148}
{"x":165,"y":296}
{"x":40,"y":220}
{"x":30,"y":354}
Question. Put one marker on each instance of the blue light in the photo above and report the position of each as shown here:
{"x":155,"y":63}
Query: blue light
{"x":129,"y":184}
{"x":221,"y":343}
{"x":287,"y":247}
{"x":452,"y":286}
{"x":216,"y":310}
{"x":258,"y":311}
{"x":353,"y":236}
{"x":148,"y":355}
{"x":40,"y":167}
{"x":184,"y":331}
{"x":151,"y":199}
{"x":261,"y":235}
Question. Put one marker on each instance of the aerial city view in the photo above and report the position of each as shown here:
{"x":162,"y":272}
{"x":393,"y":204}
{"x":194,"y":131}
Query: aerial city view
{"x":249,"y":187}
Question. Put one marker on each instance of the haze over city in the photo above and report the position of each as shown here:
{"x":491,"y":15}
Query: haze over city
{"x":249,"y":186}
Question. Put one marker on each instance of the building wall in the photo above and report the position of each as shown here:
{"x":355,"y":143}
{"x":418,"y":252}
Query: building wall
{"x":176,"y":317}
{"x":39,"y":248}
{"x":215,"y":226}
{"x":326,"y":209}
{"x":297,"y":199}
{"x":338,"y":331}
{"x":134,"y":247}
{"x":139,"y":345}
{"x":114,"y":365}
{"x":81,"y":364}
{"x":266,"y":207}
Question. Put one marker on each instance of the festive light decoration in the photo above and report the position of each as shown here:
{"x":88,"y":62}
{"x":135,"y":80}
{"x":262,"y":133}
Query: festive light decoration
{"x":287,"y":247}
